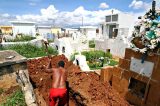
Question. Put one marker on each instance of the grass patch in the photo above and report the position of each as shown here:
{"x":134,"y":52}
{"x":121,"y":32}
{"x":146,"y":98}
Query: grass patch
{"x":91,"y":44}
{"x":16,"y":99}
{"x":30,"y":51}
{"x":94,"y":61}
{"x":113,"y":62}
{"x":21,"y":38}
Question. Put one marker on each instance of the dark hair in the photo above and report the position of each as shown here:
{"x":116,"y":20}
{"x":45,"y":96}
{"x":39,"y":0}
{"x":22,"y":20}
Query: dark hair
{"x":61,"y":64}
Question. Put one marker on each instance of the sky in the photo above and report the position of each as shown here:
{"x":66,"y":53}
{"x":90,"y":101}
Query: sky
{"x":68,"y":12}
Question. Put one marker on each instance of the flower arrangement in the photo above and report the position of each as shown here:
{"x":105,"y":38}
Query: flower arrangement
{"x":146,"y":35}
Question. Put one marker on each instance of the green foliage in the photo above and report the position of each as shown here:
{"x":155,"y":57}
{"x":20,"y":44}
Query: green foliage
{"x":108,"y":54}
{"x":30,"y":51}
{"x":16,"y":99}
{"x":92,"y":55}
{"x":21,"y":38}
{"x":91,"y":44}
{"x":72,"y":57}
{"x":113,"y":62}
{"x":50,"y":40}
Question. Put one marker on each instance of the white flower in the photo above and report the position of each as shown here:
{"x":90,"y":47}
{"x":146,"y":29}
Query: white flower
{"x":143,"y":50}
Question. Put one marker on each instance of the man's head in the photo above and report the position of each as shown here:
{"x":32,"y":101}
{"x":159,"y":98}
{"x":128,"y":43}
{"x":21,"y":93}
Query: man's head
{"x":61,"y":64}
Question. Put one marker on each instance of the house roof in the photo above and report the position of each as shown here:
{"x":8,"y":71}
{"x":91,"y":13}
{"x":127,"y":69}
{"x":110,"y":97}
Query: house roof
{"x":22,"y":22}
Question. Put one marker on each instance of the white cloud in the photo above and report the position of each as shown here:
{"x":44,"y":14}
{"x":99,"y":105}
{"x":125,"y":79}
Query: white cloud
{"x":64,"y":18}
{"x":103,"y":5}
{"x":138,"y":4}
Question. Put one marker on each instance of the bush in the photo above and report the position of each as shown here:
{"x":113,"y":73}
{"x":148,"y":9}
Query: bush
{"x":91,"y":44}
{"x":21,"y":38}
{"x":30,"y":51}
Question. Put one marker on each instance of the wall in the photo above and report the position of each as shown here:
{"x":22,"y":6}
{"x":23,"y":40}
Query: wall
{"x":36,"y":42}
{"x":28,"y":29}
{"x":116,"y":46}
{"x":55,"y":30}
{"x":44,"y":31}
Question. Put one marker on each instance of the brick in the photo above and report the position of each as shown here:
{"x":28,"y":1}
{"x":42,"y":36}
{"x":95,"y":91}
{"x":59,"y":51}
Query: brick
{"x":117,"y":72}
{"x":106,"y":74}
{"x":133,"y":99}
{"x":115,"y":83}
{"x":154,"y":94}
{"x":124,"y":63}
{"x":130,"y":53}
{"x":156,"y":71}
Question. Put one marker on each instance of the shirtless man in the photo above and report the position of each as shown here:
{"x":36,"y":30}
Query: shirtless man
{"x":58,"y":92}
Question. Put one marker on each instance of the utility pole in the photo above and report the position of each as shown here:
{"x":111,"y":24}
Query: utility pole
{"x":82,"y":20}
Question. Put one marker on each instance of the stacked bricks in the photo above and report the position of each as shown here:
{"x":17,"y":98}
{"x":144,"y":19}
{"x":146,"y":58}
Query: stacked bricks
{"x":121,"y":75}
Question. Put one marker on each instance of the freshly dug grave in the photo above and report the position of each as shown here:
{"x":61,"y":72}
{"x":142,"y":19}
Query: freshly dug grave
{"x":85,"y":88}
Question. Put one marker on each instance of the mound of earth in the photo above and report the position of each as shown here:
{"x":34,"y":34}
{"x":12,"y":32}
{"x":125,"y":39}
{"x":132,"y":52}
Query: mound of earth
{"x":85,"y":88}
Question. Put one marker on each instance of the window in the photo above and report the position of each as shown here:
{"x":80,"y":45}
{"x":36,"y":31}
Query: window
{"x":108,"y":18}
{"x":63,"y":49}
{"x":77,"y":62}
{"x":56,"y":47}
{"x":115,"y":17}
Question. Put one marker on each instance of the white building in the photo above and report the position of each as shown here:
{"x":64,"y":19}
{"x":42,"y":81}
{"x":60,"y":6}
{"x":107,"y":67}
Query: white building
{"x":89,"y":31}
{"x":115,"y":31}
{"x":44,"y":31}
{"x":23,"y":27}
{"x":70,"y":30}
{"x":70,"y":45}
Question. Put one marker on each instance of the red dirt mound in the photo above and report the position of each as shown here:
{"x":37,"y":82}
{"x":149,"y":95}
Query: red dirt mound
{"x":85,"y":88}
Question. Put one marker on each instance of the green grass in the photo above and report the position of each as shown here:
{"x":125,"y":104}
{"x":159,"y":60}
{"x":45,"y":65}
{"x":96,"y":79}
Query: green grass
{"x":21,"y":38}
{"x":113,"y":62}
{"x":16,"y":99}
{"x":93,"y":59}
{"x":91,"y":44}
{"x":30,"y":51}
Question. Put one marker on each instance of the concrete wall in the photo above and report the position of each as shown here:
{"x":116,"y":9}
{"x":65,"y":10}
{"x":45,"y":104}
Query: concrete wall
{"x":44,"y":30}
{"x":24,"y":28}
{"x":36,"y":42}
{"x":117,"y":46}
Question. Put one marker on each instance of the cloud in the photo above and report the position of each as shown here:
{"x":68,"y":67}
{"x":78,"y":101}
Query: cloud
{"x":103,"y":5}
{"x":138,"y":4}
{"x":51,"y":15}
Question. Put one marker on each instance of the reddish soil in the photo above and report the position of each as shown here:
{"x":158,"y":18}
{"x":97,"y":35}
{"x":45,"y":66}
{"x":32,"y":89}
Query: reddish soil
{"x":85,"y":88}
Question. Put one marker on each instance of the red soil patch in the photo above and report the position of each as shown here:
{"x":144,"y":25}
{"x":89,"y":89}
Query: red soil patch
{"x":85,"y":88}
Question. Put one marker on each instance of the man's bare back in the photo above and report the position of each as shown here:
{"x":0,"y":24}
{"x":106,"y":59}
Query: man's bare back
{"x":58,"y":92}
{"x":59,"y":78}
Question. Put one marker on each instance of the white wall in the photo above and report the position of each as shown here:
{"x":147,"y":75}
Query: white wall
{"x":117,"y":46}
{"x":25,"y":28}
{"x":89,"y":32}
{"x":44,"y":31}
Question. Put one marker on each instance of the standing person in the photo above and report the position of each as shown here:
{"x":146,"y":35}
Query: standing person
{"x":58,"y":92}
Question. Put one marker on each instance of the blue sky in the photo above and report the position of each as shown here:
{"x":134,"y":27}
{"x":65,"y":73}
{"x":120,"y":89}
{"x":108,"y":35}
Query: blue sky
{"x":34,"y":6}
{"x":67,"y":12}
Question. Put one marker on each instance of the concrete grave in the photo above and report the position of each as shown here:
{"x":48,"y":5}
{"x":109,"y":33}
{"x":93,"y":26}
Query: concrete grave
{"x":145,"y":68}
